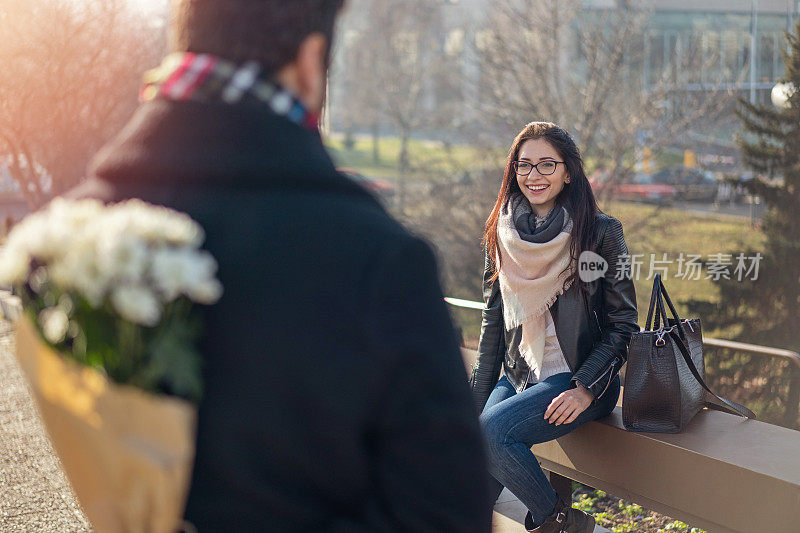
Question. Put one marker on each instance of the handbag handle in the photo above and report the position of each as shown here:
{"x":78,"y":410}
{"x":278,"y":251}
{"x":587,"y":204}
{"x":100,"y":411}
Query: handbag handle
{"x":660,"y":312}
{"x":653,"y":296}
{"x":657,"y":301}
{"x":729,"y":406}
{"x":672,"y":309}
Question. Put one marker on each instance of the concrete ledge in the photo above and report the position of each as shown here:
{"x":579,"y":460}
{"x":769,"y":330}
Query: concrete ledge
{"x":722,"y":473}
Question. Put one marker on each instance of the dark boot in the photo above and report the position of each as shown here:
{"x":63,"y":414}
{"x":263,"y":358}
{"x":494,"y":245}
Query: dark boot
{"x":564,"y":519}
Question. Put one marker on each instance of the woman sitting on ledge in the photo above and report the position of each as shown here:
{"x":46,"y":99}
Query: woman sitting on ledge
{"x":559,"y":334}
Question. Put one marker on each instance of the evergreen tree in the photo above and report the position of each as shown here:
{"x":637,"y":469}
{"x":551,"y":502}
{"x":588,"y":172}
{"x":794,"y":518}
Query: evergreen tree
{"x":766,"y":311}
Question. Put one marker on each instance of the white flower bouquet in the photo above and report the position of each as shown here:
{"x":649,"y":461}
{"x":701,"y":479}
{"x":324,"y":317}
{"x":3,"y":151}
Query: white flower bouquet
{"x":108,"y":338}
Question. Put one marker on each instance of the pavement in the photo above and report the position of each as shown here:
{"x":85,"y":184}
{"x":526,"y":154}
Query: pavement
{"x":722,"y":210}
{"x":34,"y":492}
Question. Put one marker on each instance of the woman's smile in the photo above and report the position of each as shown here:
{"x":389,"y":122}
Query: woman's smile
{"x":537,"y":189}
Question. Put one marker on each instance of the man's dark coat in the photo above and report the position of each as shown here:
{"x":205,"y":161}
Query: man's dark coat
{"x":336,"y":398}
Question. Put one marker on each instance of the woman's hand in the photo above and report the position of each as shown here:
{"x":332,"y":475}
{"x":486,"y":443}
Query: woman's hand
{"x":568,"y":405}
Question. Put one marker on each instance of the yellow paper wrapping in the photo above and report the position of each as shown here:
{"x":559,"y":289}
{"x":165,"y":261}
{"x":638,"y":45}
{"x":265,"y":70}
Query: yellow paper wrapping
{"x":127,"y":453}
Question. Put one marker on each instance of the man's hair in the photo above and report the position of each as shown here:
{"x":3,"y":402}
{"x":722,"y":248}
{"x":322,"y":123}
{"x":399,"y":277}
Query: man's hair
{"x":267,"y":31}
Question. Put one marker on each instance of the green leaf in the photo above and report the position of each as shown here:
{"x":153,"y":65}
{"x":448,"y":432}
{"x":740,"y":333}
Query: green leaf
{"x":174,"y":363}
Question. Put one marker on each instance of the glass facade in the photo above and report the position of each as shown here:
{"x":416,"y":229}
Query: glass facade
{"x":697,"y":51}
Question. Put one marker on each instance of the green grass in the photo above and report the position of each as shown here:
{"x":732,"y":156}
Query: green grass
{"x":653,"y":230}
{"x":428,"y":159}
{"x":621,"y":515}
{"x":432,"y":159}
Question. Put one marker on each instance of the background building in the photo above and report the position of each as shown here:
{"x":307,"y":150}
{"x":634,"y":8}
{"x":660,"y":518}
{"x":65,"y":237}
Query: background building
{"x":685,"y":50}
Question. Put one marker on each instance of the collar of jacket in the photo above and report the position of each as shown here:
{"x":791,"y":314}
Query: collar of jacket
{"x":208,"y":78}
{"x":236,"y":146}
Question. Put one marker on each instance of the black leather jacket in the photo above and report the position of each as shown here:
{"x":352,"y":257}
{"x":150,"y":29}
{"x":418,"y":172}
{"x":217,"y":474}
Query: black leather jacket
{"x":593,"y":332}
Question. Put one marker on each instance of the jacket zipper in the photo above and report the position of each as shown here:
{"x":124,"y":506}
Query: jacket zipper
{"x":610,"y":369}
{"x":597,"y":321}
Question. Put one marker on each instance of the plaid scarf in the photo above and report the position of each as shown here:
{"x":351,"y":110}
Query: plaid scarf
{"x":207,"y":78}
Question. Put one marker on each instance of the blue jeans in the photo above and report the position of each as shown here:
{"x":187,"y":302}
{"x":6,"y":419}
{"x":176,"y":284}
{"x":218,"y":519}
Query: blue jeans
{"x":513,"y":422}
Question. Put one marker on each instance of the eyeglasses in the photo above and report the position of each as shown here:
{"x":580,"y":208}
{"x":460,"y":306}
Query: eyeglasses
{"x":545,"y":168}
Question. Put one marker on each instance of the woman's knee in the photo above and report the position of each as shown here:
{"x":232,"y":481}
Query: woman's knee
{"x":494,"y":429}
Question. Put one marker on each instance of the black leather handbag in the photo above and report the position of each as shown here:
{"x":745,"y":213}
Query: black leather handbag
{"x":664,"y":380}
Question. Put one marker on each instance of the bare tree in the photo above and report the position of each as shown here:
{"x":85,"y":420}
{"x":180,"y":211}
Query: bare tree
{"x":399,"y":65}
{"x":356,"y":87}
{"x":69,"y":80}
{"x":584,"y":69}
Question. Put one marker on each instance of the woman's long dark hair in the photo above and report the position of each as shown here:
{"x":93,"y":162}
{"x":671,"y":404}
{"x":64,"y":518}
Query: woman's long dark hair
{"x":576,"y":196}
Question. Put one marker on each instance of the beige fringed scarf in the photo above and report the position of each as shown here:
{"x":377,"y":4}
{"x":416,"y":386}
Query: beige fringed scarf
{"x":532,"y":259}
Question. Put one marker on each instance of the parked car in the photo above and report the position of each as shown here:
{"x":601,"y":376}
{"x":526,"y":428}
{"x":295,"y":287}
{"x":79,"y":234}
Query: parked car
{"x":377,"y":186}
{"x":692,"y":184}
{"x":633,"y":187}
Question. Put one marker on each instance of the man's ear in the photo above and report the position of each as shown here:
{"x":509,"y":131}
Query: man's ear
{"x":311,"y":70}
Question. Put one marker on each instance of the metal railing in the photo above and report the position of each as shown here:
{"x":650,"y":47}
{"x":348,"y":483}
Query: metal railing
{"x":793,"y":400}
